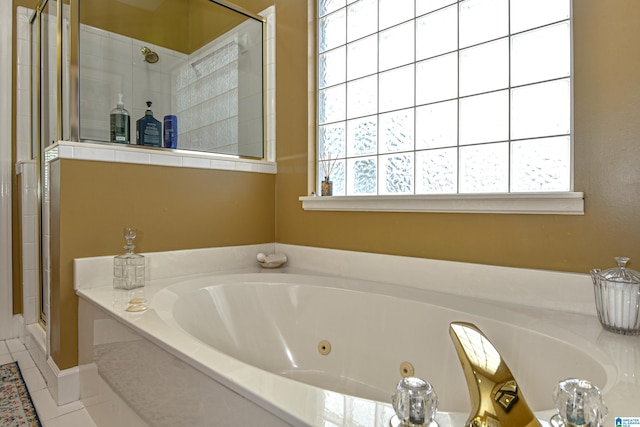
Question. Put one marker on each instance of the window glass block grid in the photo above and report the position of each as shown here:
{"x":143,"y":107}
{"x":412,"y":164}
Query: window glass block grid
{"x":445,"y":97}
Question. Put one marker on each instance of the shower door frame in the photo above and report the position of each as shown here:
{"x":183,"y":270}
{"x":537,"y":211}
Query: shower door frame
{"x":6,"y":73}
{"x":38,"y":145}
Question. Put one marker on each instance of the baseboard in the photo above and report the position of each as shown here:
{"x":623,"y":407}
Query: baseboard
{"x":64,"y":386}
{"x":17,"y":327}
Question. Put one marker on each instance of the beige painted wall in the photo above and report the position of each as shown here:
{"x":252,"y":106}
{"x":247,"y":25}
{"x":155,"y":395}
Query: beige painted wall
{"x":607,"y":163}
{"x":607,"y":151}
{"x":172,"y":208}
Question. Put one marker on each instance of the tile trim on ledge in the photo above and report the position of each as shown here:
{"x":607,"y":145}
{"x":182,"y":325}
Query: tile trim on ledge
{"x":565,"y":203}
{"x":158,"y":157}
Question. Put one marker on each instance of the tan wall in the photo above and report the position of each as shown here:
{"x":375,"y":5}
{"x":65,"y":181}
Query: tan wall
{"x":181,"y":25}
{"x":607,"y":163}
{"x":172,"y":208}
{"x":607,"y":128}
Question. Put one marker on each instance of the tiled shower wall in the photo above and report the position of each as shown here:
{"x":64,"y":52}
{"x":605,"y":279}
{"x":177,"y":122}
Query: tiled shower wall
{"x":28,"y":172}
{"x":23,"y":82}
{"x":218,"y":109}
{"x":111,"y":64}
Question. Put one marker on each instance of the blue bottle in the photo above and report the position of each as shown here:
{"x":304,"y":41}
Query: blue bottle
{"x":170,"y":131}
{"x":148,"y":129}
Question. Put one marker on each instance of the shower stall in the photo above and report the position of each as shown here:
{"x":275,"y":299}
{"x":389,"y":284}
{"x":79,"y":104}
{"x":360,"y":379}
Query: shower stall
{"x":202,"y":61}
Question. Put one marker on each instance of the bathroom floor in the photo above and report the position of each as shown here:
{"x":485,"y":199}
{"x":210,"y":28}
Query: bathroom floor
{"x":51,"y":415}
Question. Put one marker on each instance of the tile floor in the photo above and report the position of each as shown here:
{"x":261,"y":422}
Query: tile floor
{"x":51,"y":415}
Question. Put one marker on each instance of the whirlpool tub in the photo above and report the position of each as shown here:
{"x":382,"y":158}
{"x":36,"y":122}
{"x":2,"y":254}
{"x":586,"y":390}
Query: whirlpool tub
{"x":316,"y":350}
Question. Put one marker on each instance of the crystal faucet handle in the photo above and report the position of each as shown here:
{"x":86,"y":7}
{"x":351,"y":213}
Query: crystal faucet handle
{"x":415,"y":402}
{"x":579,"y":403}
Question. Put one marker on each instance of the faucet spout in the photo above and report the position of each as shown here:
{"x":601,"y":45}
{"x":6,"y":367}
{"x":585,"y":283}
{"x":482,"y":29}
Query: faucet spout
{"x":496,"y":398}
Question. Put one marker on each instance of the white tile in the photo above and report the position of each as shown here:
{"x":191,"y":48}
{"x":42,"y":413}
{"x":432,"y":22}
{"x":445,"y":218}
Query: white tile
{"x":132,"y":157}
{"x":165,"y":160}
{"x":90,"y":153}
{"x":5,"y":358}
{"x":92,"y":272}
{"x":24,"y":52}
{"x":112,"y":411}
{"x":34,"y":380}
{"x":30,"y":310}
{"x":22,"y":19}
{"x":68,"y":386}
{"x":78,"y":418}
{"x":117,"y":47}
{"x":246,"y":167}
{"x":23,"y":105}
{"x":3,"y":348}
{"x":24,"y":359}
{"x":222,"y":164}
{"x":30,"y":170}
{"x":15,"y":345}
{"x":29,"y":256}
{"x":29,"y":282}
{"x":195,"y":162}
{"x":91,"y":44}
{"x":47,"y":408}
{"x":267,"y":168}
{"x":29,"y":202}
{"x":24,"y":148}
{"x":65,"y":152}
{"x":94,"y":30}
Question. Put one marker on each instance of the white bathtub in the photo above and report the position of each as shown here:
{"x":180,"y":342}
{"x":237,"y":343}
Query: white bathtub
{"x":258,"y":334}
{"x":275,"y":322}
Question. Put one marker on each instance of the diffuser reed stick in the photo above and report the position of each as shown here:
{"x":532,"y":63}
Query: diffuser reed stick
{"x":328,"y":163}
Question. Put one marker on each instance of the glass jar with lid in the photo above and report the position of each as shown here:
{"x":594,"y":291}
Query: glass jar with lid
{"x":617,"y":293}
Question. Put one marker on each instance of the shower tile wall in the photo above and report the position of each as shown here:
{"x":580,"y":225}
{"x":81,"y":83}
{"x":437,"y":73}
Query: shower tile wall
{"x":207,"y":100}
{"x":203,"y":89}
{"x":28,"y":170}
{"x":219,"y":102}
{"x":111,"y":64}
{"x":30,"y":240}
{"x":23,"y":89}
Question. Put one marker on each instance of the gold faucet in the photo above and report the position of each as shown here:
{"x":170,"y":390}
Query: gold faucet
{"x":496,"y":399}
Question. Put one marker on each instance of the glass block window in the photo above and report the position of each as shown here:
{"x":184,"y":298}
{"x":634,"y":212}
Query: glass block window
{"x":444,"y":97}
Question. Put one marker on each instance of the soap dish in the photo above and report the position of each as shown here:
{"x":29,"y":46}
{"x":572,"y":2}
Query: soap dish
{"x":271,"y":261}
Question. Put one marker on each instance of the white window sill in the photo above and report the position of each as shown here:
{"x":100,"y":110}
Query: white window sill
{"x":565,"y":203}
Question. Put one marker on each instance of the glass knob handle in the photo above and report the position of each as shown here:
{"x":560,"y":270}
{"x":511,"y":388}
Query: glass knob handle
{"x":579,"y":403}
{"x":415,"y":402}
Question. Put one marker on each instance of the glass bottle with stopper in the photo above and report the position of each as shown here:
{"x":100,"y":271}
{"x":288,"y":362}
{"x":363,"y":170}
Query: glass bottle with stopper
{"x":128,"y":268}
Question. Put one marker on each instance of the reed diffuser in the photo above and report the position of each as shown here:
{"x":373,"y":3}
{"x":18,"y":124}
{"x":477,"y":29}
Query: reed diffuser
{"x":328,"y":163}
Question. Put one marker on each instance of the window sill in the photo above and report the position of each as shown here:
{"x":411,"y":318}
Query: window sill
{"x":565,"y":203}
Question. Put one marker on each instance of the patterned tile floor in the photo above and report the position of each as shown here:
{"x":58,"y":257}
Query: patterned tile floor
{"x":51,"y":415}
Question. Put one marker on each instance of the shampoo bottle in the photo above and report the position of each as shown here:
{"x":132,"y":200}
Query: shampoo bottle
{"x":120,"y":122}
{"x":148,"y":129}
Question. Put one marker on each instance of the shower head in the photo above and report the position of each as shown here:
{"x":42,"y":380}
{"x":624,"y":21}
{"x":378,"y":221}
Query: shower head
{"x":149,"y":56}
